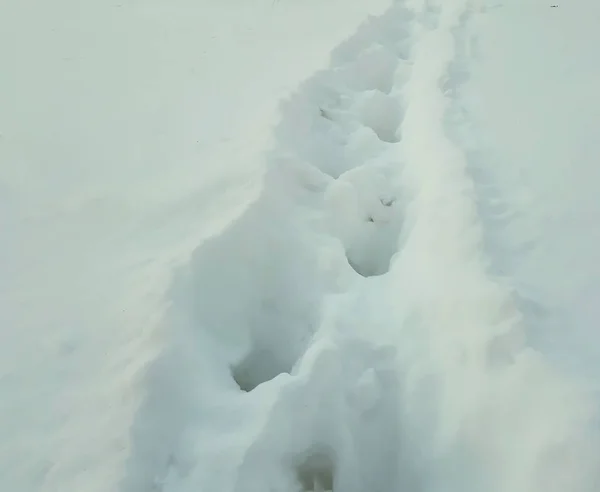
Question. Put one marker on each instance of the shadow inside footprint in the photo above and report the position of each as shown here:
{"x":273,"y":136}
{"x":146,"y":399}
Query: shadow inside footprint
{"x":316,"y":472}
{"x":382,"y":114}
{"x":259,"y":366}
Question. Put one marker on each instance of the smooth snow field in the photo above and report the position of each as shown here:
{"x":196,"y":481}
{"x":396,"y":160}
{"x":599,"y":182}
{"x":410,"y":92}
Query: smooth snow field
{"x":300,"y":246}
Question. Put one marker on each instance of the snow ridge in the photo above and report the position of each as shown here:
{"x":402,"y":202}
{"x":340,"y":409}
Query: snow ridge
{"x":347,"y":332}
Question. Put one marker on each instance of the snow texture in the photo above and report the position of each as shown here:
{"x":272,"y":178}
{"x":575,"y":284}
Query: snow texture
{"x":389,"y":289}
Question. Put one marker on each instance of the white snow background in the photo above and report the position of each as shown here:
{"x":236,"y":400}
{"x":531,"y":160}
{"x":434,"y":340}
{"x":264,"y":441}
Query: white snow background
{"x":299,"y":245}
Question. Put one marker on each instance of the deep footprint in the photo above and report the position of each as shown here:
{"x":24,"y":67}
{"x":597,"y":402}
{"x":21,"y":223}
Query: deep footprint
{"x":382,"y":114}
{"x":316,"y":472}
{"x":258,"y":367}
{"x":367,"y":218}
{"x":374,"y":69}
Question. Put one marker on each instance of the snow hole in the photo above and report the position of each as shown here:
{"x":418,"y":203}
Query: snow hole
{"x":316,"y":472}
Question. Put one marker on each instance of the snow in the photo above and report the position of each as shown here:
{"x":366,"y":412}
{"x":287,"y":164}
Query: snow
{"x":299,"y":246}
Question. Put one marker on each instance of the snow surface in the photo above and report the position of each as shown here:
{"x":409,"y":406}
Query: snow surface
{"x":257,"y":246}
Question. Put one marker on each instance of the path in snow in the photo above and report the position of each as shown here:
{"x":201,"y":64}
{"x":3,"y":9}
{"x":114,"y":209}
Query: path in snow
{"x":349,"y":332}
{"x":364,"y":323}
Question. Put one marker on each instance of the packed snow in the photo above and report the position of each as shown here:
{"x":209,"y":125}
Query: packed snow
{"x":299,"y":246}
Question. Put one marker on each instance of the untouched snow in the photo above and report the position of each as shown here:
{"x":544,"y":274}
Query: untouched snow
{"x":223,"y":273}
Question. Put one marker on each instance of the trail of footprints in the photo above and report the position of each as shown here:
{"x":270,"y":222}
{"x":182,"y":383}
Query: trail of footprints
{"x":350,"y":126}
{"x":343,"y":129}
{"x":344,"y":124}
